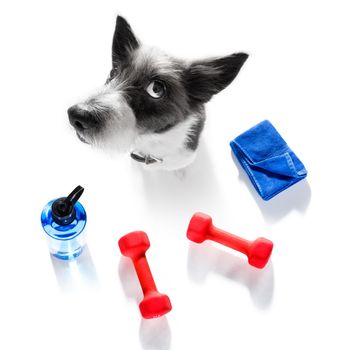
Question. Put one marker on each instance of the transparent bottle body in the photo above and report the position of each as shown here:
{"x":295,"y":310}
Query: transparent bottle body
{"x":65,"y":241}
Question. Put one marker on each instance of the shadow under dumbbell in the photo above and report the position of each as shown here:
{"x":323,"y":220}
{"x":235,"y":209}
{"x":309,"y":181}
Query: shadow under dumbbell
{"x":155,"y":333}
{"x":72,"y":274}
{"x":206,"y":258}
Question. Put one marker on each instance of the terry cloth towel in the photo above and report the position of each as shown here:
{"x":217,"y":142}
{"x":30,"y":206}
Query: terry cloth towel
{"x":271,"y":165}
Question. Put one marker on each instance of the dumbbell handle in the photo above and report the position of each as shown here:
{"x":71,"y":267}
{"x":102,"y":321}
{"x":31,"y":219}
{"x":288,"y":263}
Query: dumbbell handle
{"x":134,"y":245}
{"x":144,"y":274}
{"x":228,"y":239}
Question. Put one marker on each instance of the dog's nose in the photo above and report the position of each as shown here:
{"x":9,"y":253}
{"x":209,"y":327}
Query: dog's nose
{"x":81,"y":119}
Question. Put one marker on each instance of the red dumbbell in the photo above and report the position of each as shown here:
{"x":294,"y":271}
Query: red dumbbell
{"x":201,"y":228}
{"x":134,"y":245}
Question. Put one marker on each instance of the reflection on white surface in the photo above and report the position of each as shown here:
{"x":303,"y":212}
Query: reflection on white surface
{"x":204,"y":259}
{"x":184,"y":190}
{"x":79,"y":272}
{"x":155,"y":334}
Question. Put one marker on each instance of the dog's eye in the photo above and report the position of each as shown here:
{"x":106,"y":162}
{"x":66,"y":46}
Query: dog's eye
{"x":156,"y":89}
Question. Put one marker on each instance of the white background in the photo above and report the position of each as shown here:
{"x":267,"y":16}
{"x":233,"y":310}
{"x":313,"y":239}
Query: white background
{"x":297,"y":76}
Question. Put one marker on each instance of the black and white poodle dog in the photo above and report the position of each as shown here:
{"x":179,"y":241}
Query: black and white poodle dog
{"x":152,"y":105}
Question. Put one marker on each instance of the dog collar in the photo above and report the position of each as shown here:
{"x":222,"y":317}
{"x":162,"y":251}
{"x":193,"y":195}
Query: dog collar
{"x":146,"y":159}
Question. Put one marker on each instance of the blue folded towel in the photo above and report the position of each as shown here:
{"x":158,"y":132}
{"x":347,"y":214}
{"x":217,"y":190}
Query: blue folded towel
{"x":271,"y":165}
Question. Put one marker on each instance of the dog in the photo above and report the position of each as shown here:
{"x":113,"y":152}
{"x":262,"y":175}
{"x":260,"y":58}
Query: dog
{"x":152,"y":105}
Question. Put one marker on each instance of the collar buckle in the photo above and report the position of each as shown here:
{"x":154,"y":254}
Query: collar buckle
{"x":146,"y":159}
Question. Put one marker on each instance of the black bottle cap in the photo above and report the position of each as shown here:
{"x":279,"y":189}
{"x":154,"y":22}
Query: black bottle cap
{"x":63,"y":212}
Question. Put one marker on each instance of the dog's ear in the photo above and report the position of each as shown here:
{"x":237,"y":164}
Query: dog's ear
{"x":205,"y":78}
{"x":124,"y":41}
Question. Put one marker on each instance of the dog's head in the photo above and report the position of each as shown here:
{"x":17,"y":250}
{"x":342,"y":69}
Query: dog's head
{"x":148,"y":92}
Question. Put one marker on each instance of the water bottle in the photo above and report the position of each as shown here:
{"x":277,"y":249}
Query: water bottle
{"x":63,"y":220}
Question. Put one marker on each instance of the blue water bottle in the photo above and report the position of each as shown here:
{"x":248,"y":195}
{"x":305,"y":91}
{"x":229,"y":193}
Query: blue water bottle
{"x":63,"y":220}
